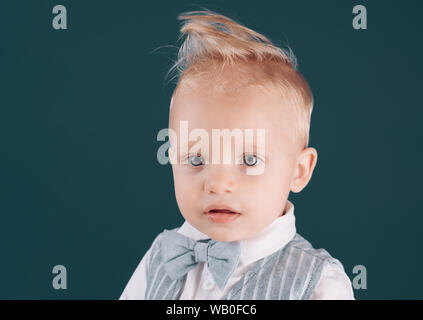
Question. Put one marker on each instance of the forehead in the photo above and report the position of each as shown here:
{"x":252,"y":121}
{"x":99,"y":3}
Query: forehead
{"x":246,"y":107}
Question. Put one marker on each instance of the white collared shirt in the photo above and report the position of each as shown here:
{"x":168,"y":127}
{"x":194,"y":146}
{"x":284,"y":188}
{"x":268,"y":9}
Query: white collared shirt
{"x":333,"y":284}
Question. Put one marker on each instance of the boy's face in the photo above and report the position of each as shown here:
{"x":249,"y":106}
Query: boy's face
{"x":259,"y":199}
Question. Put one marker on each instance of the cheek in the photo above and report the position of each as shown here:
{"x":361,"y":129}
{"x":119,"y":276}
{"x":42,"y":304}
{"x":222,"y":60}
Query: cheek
{"x":269,"y":188}
{"x":179,"y":178}
{"x":187,"y":187}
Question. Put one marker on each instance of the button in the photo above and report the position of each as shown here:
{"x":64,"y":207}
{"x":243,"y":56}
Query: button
{"x":208,"y":284}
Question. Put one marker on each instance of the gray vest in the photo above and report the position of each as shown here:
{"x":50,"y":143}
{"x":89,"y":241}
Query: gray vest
{"x":291,"y":273}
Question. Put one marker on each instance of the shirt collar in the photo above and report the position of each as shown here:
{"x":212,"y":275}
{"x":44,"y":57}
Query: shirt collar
{"x":272,"y":238}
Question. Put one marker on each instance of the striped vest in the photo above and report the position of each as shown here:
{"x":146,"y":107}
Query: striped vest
{"x":291,"y":273}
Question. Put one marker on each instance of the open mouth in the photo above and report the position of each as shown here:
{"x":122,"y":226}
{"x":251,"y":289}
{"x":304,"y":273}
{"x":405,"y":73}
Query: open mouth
{"x":222,"y":211}
{"x":222,"y":215}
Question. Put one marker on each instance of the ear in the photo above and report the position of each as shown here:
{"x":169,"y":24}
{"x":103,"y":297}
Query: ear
{"x":304,"y":167}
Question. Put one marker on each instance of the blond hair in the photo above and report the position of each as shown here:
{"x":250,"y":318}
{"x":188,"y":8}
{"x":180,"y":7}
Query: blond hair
{"x":213,"y":40}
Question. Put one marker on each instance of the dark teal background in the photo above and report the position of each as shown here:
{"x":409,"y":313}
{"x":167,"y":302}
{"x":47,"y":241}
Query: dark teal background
{"x":80,"y":110}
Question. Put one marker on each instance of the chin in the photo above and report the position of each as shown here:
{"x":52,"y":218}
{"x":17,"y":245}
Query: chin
{"x":222,"y":237}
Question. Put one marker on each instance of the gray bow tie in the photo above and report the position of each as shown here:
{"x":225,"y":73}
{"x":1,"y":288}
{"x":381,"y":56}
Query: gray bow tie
{"x":180,"y":254}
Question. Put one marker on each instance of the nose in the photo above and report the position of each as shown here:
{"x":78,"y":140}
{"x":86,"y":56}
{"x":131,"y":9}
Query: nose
{"x":220,"y":179}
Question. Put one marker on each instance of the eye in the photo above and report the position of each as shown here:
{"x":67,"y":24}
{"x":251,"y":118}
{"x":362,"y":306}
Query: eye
{"x":195,"y":160}
{"x":250,"y":159}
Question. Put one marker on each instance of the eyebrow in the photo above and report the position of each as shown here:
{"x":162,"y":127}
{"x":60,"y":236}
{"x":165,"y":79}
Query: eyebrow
{"x":252,"y":147}
{"x":190,"y":144}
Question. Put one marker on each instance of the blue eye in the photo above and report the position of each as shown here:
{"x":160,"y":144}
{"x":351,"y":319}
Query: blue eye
{"x":250,"y":159}
{"x":195,"y":160}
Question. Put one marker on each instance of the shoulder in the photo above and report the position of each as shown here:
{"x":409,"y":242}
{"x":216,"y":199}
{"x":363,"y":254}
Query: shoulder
{"x":334,"y":284}
{"x":299,"y":243}
{"x":136,"y":286}
{"x":155,"y":250}
{"x":157,"y":240}
{"x":327,"y":278}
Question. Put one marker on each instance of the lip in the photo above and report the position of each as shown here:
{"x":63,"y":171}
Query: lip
{"x":221,"y":213}
{"x":218,"y":207}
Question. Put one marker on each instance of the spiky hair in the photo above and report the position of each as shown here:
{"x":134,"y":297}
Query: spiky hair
{"x":213,"y":42}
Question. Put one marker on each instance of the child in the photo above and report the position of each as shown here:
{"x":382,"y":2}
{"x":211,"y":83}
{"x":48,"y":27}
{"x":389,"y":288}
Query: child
{"x":239,"y":239}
